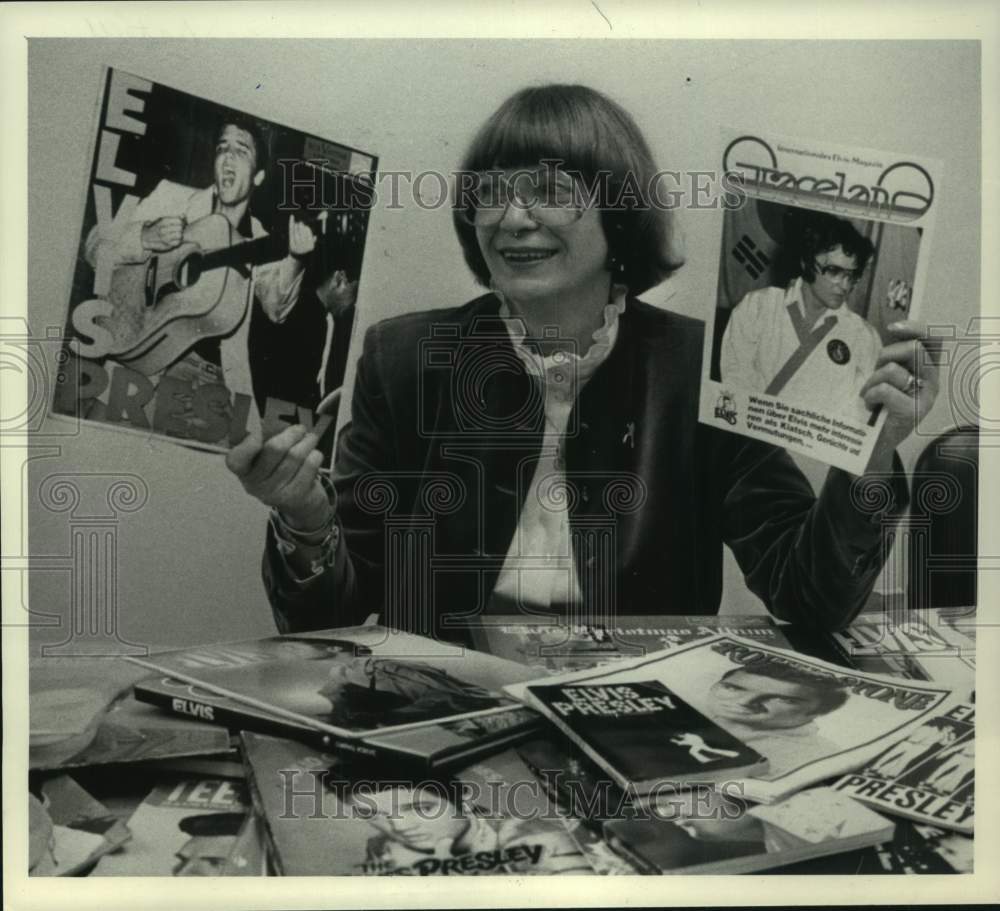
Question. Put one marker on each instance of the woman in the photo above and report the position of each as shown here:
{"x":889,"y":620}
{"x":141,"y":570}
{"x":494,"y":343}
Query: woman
{"x":483,"y":472}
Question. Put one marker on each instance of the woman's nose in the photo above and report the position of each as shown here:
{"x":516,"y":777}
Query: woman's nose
{"x":517,"y":216}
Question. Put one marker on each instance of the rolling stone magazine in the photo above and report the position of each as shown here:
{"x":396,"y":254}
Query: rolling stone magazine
{"x":859,"y":716}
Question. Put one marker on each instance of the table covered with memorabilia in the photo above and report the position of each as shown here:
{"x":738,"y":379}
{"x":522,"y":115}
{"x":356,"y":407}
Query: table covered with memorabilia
{"x":644,"y":745}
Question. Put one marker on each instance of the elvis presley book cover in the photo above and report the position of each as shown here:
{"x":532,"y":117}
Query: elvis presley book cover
{"x":643,"y":735}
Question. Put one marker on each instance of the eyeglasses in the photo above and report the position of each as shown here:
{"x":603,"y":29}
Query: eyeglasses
{"x":551,"y":196}
{"x":836,"y":273}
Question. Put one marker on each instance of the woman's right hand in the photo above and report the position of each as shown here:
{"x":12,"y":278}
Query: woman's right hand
{"x":284,"y":473}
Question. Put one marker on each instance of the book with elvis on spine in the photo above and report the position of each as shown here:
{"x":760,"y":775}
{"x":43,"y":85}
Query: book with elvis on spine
{"x":363,"y":692}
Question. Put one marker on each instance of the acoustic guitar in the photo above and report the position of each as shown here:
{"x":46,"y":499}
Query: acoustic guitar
{"x":164,"y":306}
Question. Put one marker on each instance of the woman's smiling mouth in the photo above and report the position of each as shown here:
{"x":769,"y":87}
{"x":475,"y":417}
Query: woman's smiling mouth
{"x":526,"y":256}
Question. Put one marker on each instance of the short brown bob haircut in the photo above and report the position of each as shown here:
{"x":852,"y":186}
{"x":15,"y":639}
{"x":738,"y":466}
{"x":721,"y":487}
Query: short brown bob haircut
{"x":593,"y":136}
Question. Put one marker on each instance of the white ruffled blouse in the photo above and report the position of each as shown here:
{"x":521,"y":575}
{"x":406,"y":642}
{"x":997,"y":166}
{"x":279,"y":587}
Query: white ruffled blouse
{"x":539,"y":569}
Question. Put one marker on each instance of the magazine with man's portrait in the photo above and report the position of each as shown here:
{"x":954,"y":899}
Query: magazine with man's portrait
{"x":217,"y":275}
{"x":823,"y":249}
{"x":808,"y":718}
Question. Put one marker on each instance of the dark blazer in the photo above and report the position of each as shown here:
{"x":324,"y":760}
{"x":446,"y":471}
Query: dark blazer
{"x":445,"y":431}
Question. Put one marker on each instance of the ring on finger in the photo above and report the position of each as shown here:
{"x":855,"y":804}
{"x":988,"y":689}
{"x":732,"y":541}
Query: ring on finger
{"x":913,"y":385}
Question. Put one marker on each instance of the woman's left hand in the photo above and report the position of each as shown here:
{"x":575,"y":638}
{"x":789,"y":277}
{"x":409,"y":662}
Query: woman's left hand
{"x":905,"y":381}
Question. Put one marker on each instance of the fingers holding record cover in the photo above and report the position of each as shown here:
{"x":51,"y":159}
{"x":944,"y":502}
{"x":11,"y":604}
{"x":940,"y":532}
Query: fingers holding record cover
{"x":219,"y":263}
{"x":821,"y":259}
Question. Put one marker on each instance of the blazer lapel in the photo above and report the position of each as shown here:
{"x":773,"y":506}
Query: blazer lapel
{"x":603,"y":431}
{"x":514,"y":420}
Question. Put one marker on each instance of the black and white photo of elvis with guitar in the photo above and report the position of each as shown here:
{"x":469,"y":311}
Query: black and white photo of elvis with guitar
{"x":218,"y":272}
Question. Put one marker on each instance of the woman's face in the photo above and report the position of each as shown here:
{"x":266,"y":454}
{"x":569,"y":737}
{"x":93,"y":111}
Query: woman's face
{"x":533,"y":262}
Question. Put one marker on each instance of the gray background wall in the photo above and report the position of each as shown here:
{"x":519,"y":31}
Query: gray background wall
{"x":188,"y":559}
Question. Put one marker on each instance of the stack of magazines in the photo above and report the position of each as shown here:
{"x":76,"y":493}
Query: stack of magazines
{"x":372,"y":752}
{"x":364,"y":693}
{"x":117,"y":786}
{"x":678,"y":745}
{"x":722,"y":754}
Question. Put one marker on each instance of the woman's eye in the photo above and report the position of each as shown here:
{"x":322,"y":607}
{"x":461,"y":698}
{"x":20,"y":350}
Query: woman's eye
{"x":559,"y":195}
